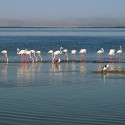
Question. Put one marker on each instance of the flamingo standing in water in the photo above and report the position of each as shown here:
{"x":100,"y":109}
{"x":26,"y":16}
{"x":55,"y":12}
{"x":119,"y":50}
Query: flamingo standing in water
{"x":111,"y":54}
{"x":82,"y":52}
{"x":33,"y":54}
{"x":39,"y":55}
{"x":119,"y":52}
{"x":65,"y":51}
{"x":51,"y":53}
{"x":99,"y":52}
{"x":5,"y":57}
{"x":28,"y":56}
{"x":73,"y":52}
{"x":55,"y":55}
{"x":22,"y":54}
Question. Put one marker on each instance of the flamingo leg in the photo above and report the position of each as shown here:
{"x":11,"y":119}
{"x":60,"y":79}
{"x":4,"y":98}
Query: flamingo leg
{"x":3,"y":57}
{"x":99,"y":57}
{"x":111,"y":58}
{"x":118,"y":56}
{"x":56,"y":58}
{"x":21,"y":58}
{"x":82,"y":56}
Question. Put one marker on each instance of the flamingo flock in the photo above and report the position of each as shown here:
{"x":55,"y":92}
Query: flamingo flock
{"x":35,"y":56}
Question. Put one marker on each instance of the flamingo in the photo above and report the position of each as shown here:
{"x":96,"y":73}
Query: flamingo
{"x":65,"y":51}
{"x":5,"y":57}
{"x":111,"y":53}
{"x":119,"y":52}
{"x":22,"y":54}
{"x":51,"y":52}
{"x":99,"y":52}
{"x":39,"y":54}
{"x":55,"y":55}
{"x":33,"y":54}
{"x":73,"y":52}
{"x":29,"y":57}
{"x":82,"y":52}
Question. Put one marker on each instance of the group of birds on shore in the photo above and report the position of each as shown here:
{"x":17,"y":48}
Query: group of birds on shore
{"x":35,"y":56}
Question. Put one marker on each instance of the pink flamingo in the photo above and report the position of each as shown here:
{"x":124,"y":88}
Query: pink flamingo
{"x":65,"y":51}
{"x":111,"y":54}
{"x":51,"y":53}
{"x":28,"y":56}
{"x":22,"y":54}
{"x":73,"y":52}
{"x":119,"y":52}
{"x":99,"y":52}
{"x":38,"y":55}
{"x":33,"y":54}
{"x":82,"y":52}
{"x":55,"y":55}
{"x":5,"y":57}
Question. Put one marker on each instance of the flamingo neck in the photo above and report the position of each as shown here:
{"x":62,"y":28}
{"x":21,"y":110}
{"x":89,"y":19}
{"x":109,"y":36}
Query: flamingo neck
{"x":18,"y":51}
{"x":60,"y":50}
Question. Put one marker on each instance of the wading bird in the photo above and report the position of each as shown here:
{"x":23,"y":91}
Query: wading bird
{"x":51,"y":53}
{"x":22,"y":54}
{"x":39,"y":57}
{"x":82,"y":52}
{"x":33,"y":54}
{"x":5,"y":57}
{"x":65,"y":51}
{"x":119,"y":52}
{"x":111,"y":54}
{"x":73,"y":52}
{"x":55,"y":55}
{"x":99,"y":52}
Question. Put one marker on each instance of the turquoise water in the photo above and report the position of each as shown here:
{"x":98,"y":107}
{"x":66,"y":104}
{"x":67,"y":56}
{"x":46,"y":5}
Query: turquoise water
{"x":65,"y":93}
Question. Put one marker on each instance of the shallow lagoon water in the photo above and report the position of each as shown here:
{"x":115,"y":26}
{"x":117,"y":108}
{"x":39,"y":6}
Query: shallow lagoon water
{"x":68,"y":93}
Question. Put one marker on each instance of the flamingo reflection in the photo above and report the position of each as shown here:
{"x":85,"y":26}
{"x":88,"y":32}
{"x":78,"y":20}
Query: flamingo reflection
{"x":82,"y":67}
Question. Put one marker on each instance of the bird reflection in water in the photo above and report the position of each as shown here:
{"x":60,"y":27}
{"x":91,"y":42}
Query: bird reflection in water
{"x":100,"y":66}
{"x":73,"y":66}
{"x":111,"y":66}
{"x":38,"y":67}
{"x":4,"y":70}
{"x":55,"y":67}
{"x":26,"y":71}
{"x":119,"y":66}
{"x":66,"y":66}
{"x":82,"y":67}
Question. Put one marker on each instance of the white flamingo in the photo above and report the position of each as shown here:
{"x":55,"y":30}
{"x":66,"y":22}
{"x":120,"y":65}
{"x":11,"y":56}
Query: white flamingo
{"x":39,"y":55}
{"x":22,"y":54}
{"x":55,"y":55}
{"x":111,"y":53}
{"x":33,"y":54}
{"x":28,"y":56}
{"x":82,"y":52}
{"x":65,"y":51}
{"x":5,"y":57}
{"x":119,"y":52}
{"x":73,"y":52}
{"x":99,"y":52}
{"x":51,"y":53}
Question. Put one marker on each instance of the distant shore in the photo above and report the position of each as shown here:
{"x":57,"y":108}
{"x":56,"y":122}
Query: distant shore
{"x":61,"y":27}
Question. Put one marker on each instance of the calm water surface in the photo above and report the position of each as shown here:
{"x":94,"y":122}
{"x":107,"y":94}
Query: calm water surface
{"x":68,"y":93}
